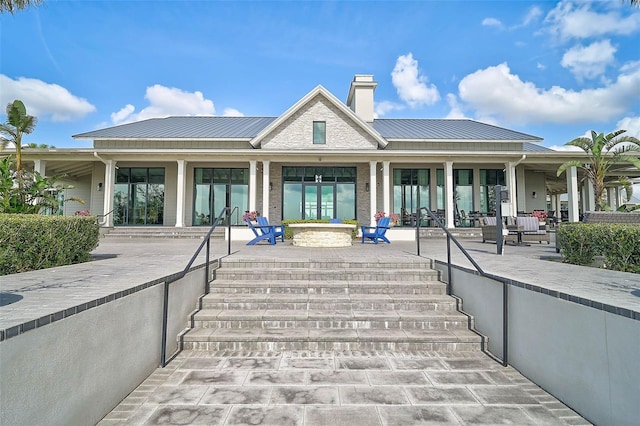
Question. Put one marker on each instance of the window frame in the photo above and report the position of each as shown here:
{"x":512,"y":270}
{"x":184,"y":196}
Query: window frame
{"x":319,"y":136}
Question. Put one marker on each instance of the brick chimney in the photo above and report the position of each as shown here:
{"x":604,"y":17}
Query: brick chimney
{"x":360,"y":98}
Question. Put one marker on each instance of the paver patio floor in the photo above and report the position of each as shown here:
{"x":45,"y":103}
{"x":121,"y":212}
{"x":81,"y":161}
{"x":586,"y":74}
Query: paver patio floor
{"x":341,"y":388}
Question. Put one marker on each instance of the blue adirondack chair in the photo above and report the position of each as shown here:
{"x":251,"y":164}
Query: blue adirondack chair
{"x":278,"y":230}
{"x":261,"y":233}
{"x":376,"y":233}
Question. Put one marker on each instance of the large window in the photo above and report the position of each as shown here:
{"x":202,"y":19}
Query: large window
{"x":410,"y":191}
{"x":319,"y":193}
{"x":463,"y":192}
{"x":216,"y":189}
{"x":488,"y":180}
{"x":139,"y":196}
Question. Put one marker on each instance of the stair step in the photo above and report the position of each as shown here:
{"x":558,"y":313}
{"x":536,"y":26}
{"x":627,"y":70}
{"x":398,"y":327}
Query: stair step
{"x":330,"y":339}
{"x":386,"y":302}
{"x":259,"y":318}
{"x":328,"y":274}
{"x":327,"y":287}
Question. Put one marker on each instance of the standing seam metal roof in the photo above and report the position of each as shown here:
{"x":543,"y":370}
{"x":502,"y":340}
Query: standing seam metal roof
{"x":208,"y":127}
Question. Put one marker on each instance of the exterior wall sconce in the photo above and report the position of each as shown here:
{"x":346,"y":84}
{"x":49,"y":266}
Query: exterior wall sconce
{"x":270,"y":186}
{"x":534,"y":195}
{"x":99,"y":188}
{"x":366,"y":186}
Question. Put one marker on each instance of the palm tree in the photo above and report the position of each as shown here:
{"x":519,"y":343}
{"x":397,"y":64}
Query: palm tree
{"x":18,"y":123}
{"x":604,"y":151}
{"x":13,"y":5}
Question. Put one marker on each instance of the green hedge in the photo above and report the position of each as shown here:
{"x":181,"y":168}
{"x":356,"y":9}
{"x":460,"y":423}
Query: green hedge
{"x":618,"y":244}
{"x":29,"y":241}
{"x":288,"y":233}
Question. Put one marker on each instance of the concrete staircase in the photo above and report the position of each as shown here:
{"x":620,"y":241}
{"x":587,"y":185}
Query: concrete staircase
{"x":271,"y":305}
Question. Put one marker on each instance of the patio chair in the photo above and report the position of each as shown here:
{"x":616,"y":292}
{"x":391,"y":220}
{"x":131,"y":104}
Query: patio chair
{"x":278,"y":230}
{"x":261,"y":233}
{"x":376,"y":233}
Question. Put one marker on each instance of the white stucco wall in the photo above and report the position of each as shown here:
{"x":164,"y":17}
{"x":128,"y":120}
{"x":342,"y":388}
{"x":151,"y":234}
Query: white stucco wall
{"x":76,"y":370}
{"x":585,"y":357}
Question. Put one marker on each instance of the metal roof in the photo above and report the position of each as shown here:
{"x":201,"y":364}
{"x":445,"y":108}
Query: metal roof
{"x":531,"y":147}
{"x":446,"y":129}
{"x":192,"y":127}
{"x":209,"y":127}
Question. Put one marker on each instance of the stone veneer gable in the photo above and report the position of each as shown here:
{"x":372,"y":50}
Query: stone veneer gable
{"x":297,"y":131}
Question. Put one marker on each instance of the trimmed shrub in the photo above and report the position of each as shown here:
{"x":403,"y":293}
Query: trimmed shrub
{"x":577,"y":243}
{"x":621,"y":247}
{"x":31,"y":242}
{"x":619,"y":244}
{"x":288,"y":233}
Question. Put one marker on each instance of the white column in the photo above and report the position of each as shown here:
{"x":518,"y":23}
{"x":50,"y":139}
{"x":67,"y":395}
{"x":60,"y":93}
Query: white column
{"x":590,"y":204}
{"x":109,"y":179}
{"x":448,"y":193}
{"x":180,"y":194}
{"x":40,"y":166}
{"x":555,"y":205}
{"x":265,"y":189}
{"x":372,"y":193}
{"x":515,"y":182}
{"x":611,"y":198}
{"x":252,"y":186}
{"x":572,"y":193}
{"x":386,"y":186}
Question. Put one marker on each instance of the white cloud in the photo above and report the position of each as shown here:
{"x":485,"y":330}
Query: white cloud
{"x":456,"y":110}
{"x":565,"y":148}
{"x":492,"y":22}
{"x":44,"y":100}
{"x":166,"y":101}
{"x":590,"y":61}
{"x":567,"y":21}
{"x":232,"y":112}
{"x":120,"y":116}
{"x":411,"y":86}
{"x":631,"y":125}
{"x":384,"y":107}
{"x":532,"y":15}
{"x":540,"y":66}
{"x":496,"y":92}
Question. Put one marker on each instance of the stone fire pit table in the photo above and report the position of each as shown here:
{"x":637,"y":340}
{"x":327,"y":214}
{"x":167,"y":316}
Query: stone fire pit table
{"x":322,"y":234}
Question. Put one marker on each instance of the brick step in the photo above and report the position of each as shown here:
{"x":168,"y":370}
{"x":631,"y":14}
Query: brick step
{"x":299,"y":274}
{"x":320,"y":319}
{"x":327,"y":287}
{"x":278,"y":339}
{"x":381,"y":302}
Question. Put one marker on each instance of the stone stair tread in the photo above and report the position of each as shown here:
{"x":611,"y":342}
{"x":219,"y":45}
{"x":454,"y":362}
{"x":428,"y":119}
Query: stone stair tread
{"x":314,"y":315}
{"x":338,"y":335}
{"x":223,"y":283}
{"x":296,"y":297}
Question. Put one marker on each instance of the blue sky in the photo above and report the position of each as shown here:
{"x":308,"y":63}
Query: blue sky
{"x":551,"y":69}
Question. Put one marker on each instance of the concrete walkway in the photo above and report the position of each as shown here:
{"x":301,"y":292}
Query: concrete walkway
{"x":320,"y":388}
